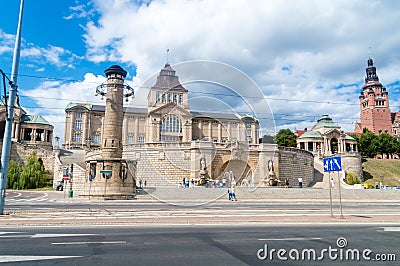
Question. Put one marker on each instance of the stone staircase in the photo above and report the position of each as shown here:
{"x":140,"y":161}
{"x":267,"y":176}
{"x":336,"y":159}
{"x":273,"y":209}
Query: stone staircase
{"x":321,"y":179}
{"x":201,"y":195}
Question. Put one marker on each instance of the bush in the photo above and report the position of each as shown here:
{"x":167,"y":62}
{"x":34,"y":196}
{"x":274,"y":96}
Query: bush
{"x":32,"y":175}
{"x":351,"y":178}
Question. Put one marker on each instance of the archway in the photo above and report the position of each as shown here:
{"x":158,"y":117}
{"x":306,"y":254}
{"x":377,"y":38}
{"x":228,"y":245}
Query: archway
{"x":240,"y":169}
{"x":334,"y":145}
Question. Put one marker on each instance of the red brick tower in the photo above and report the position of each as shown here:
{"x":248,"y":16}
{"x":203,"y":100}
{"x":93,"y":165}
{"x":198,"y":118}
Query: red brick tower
{"x":374,"y":103}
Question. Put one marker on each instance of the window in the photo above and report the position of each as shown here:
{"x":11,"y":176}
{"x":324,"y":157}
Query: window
{"x":141,"y":139}
{"x":169,"y":97}
{"x":180,"y":98}
{"x":175,"y":98}
{"x":131,"y":139}
{"x":78,"y":114}
{"x":77,"y":137}
{"x":78,"y":124}
{"x":96,"y":138}
{"x":249,"y":133}
{"x":158,"y":99}
{"x":171,"y":124}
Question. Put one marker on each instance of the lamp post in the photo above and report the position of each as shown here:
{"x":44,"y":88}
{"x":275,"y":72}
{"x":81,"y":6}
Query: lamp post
{"x":5,"y":154}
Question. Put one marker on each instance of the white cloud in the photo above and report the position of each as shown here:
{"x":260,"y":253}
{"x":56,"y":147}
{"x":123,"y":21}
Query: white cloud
{"x":308,"y":57}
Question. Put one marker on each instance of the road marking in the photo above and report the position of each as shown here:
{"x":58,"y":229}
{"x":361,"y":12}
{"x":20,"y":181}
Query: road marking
{"x":59,"y":235}
{"x":15,"y":258}
{"x":4,"y":233}
{"x":290,"y":239}
{"x":391,"y":229}
{"x":85,"y":243}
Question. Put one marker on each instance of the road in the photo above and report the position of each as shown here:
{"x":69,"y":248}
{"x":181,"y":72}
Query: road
{"x":198,"y":244}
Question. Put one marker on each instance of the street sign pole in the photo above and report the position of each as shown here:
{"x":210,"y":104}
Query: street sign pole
{"x":330,"y":192}
{"x":340,"y":198}
{"x":105,"y":187}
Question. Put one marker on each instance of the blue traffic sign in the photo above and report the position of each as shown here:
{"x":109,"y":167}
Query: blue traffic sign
{"x":332,"y":164}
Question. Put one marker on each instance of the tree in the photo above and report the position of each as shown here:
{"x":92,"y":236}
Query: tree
{"x":13,"y":175}
{"x":32,"y":175}
{"x":368,"y":143}
{"x":286,"y":137}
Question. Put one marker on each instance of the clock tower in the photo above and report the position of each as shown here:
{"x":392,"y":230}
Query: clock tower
{"x":374,"y":103}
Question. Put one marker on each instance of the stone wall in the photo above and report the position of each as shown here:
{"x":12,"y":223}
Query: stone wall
{"x":21,"y":152}
{"x":351,"y":162}
{"x":295,"y":163}
{"x":160,"y":165}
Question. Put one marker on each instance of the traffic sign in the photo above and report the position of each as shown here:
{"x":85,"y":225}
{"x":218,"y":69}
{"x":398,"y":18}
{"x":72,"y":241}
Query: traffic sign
{"x":332,"y":164}
{"x":106,"y":172}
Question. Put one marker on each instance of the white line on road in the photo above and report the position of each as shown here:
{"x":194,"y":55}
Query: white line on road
{"x":85,"y":243}
{"x":290,"y":239}
{"x":391,"y":229}
{"x":59,"y":235}
{"x":15,"y":258}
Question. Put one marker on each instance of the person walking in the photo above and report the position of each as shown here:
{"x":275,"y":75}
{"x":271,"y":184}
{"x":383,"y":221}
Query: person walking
{"x":286,"y":183}
{"x":332,"y":183}
{"x":300,"y":179}
{"x":233,"y":185}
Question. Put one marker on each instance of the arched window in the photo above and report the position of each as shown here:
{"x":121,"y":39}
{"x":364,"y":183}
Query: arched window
{"x":171,"y":124}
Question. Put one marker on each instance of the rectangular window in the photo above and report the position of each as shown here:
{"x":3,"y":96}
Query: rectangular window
{"x":131,"y":139}
{"x":180,"y":98}
{"x":158,"y":94}
{"x":78,"y":124}
{"x":77,"y":137}
{"x":78,"y":114}
{"x":249,"y":133}
{"x":141,"y":139}
{"x":175,"y":98}
{"x":163,"y":97}
{"x":96,"y":138}
{"x":169,"y":97}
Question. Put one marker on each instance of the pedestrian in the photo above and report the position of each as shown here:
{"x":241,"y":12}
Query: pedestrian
{"x":140,"y":183}
{"x":192,"y":181}
{"x":233,"y":195}
{"x":223,"y":182}
{"x":229,"y":194}
{"x":300,"y":179}
{"x":145,"y":183}
{"x":184,"y":182}
{"x":332,"y":183}
{"x":286,"y":183}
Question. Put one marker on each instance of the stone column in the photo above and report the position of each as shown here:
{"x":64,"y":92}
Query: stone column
{"x":115,"y":180}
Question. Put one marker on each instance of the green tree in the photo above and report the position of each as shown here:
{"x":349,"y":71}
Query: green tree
{"x":13,"y":175}
{"x":351,"y":178}
{"x":33,"y":173}
{"x":368,"y":144}
{"x":286,"y":137}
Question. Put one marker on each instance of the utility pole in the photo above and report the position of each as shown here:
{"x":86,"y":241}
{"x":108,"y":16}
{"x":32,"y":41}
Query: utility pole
{"x":5,"y":153}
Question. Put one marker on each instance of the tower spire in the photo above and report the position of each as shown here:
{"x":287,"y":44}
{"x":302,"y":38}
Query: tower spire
{"x":167,"y":54}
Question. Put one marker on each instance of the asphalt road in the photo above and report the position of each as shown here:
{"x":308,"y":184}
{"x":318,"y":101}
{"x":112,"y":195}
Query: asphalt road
{"x":200,"y":245}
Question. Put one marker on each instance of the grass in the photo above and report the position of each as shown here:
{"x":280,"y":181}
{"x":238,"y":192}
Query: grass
{"x":374,"y":169}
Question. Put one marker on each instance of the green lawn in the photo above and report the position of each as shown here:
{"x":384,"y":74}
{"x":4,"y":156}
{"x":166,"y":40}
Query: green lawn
{"x":374,"y":169}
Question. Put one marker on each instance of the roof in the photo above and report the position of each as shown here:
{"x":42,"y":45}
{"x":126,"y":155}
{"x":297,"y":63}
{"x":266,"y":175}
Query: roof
{"x":213,"y":115}
{"x":34,"y":119}
{"x":168,"y":80}
{"x":312,"y":135}
{"x":72,"y":105}
{"x":325,"y":121}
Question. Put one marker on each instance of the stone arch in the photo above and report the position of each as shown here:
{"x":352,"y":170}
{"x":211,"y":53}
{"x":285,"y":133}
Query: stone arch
{"x":334,"y":145}
{"x":239,"y":168}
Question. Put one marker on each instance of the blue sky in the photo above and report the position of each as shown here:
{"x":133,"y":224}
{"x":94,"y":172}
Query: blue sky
{"x":307,"y":57}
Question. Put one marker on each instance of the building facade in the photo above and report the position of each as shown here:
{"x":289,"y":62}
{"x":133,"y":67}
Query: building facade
{"x":168,"y":142}
{"x":326,"y":138}
{"x":375,"y":114}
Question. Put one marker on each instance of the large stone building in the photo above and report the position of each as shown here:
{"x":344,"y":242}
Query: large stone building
{"x":168,"y":142}
{"x":375,"y":111}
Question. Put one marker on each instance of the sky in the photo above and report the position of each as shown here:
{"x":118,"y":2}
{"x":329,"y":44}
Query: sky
{"x":306,"y":58}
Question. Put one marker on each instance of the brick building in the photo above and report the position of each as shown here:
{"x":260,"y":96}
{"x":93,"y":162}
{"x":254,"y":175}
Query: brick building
{"x":375,"y":114}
